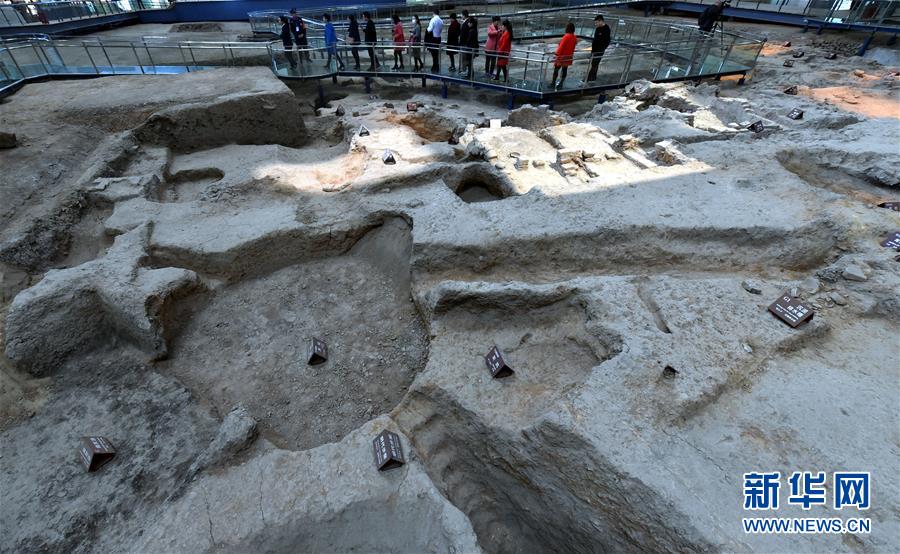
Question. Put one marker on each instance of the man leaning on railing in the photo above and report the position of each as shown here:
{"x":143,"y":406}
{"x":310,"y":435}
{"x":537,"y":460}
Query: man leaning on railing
{"x":598,"y":46}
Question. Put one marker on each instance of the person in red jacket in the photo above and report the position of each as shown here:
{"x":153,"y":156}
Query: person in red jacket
{"x":564,"y":54}
{"x":399,"y":43}
{"x":504,"y":46}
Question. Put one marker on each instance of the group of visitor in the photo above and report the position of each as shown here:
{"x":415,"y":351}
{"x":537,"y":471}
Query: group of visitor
{"x":462,"y":40}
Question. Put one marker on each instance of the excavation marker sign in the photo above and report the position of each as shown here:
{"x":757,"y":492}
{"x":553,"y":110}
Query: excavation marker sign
{"x":757,"y":127}
{"x":388,"y":452}
{"x":497,"y":364}
{"x":791,"y":311}
{"x":788,"y":63}
{"x":890,"y":205}
{"x":831,"y":56}
{"x":363,"y":132}
{"x":95,"y":452}
{"x":892,"y":241}
{"x":795,"y":114}
{"x":792,"y":90}
{"x":388,"y":158}
{"x":412,"y":107}
{"x":316,"y":352}
{"x":798,"y":54}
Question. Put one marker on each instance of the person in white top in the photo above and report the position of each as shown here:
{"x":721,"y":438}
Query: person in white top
{"x":433,"y":37}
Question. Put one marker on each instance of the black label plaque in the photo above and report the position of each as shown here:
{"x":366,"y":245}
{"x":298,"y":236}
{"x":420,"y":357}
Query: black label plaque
{"x":412,"y":107}
{"x":363,"y":132}
{"x":890,"y":205}
{"x":388,"y":157}
{"x":788,"y":63}
{"x":316,"y":352}
{"x":798,"y":54}
{"x":796,"y":113}
{"x":792,"y":90}
{"x":791,"y":311}
{"x":496,"y":363}
{"x":757,"y":127}
{"x":831,"y":56}
{"x":388,"y":452}
{"x":892,"y":241}
{"x":340,"y":111}
{"x":786,"y":44}
{"x":95,"y":452}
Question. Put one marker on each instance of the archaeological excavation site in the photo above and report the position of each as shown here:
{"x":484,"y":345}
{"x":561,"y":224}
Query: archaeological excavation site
{"x":253,"y":308}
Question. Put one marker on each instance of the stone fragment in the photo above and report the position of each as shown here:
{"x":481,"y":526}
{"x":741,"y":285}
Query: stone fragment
{"x":810,"y":285}
{"x":751,"y":286}
{"x":340,"y":111}
{"x":747,"y":348}
{"x":668,"y":151}
{"x":7,"y":140}
{"x":795,"y":292}
{"x":854,"y":272}
{"x":838,"y":299}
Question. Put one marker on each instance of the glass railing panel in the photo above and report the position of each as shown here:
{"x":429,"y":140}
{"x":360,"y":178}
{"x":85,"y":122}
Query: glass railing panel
{"x":167,"y":58}
{"x":10,"y":70}
{"x":123,"y":58}
{"x":27,"y":60}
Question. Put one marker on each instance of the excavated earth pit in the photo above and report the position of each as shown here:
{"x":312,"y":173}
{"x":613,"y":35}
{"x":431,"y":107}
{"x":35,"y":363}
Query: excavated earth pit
{"x":239,"y":339}
{"x":162,"y":283}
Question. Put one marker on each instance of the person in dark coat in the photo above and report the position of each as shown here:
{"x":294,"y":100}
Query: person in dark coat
{"x":452,"y":40}
{"x":598,"y":46}
{"x":472,"y":44}
{"x":371,"y":38}
{"x":710,"y":16}
{"x":354,"y":39}
{"x":298,"y":29}
{"x":464,"y":31}
{"x":287,"y":42}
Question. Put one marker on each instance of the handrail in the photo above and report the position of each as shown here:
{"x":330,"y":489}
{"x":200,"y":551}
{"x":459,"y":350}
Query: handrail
{"x":23,"y":14}
{"x":642,"y":48}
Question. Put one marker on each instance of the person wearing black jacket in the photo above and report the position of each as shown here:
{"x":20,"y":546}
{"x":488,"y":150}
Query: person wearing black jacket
{"x":298,"y":28}
{"x":371,"y":38}
{"x":710,"y":16}
{"x":472,"y":43}
{"x":464,"y":31}
{"x":598,"y":46}
{"x":287,"y":42}
{"x":452,"y":40}
{"x":353,"y":38}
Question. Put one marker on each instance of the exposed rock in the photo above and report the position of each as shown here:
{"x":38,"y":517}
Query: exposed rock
{"x":855,"y":272}
{"x":810,"y":285}
{"x":668,"y":152}
{"x":237,"y":431}
{"x":536,"y":118}
{"x":7,"y":140}
{"x":330,"y":498}
{"x":751,"y":286}
{"x":72,"y":310}
{"x":837,"y":298}
{"x":240,"y":118}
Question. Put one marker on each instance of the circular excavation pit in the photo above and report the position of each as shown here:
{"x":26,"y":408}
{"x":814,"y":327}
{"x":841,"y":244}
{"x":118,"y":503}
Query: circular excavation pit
{"x":241,"y":339}
{"x":478,"y":182}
